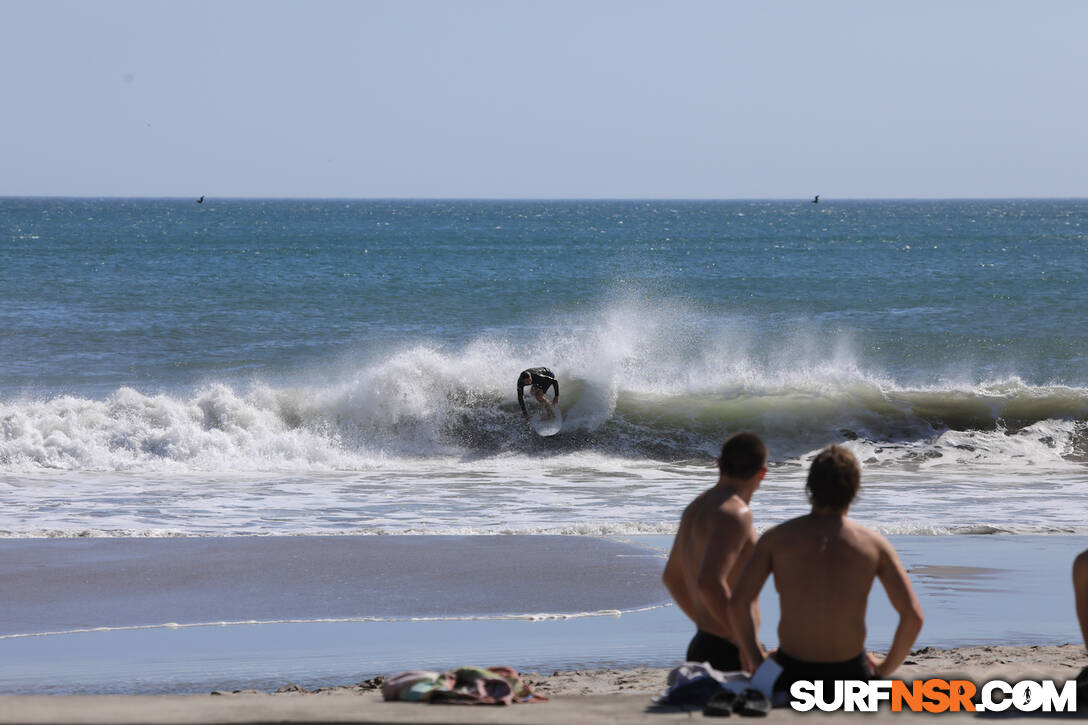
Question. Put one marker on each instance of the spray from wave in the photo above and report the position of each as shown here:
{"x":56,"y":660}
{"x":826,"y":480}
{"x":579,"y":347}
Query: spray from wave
{"x":636,"y":384}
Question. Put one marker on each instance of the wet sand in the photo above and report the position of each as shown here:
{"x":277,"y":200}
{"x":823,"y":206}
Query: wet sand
{"x":56,"y":585}
{"x":188,"y":616}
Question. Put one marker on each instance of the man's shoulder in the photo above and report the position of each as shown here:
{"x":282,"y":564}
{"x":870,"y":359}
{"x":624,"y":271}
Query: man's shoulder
{"x":865,"y":533}
{"x":779,"y":534}
{"x":697,"y":503}
{"x":807,"y":525}
{"x":710,"y":512}
{"x":1080,"y":564}
{"x":788,"y":526}
{"x":733,"y":508}
{"x":871,"y":542}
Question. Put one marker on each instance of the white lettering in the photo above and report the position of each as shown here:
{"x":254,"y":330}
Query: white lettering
{"x":879,"y":690}
{"x":995,"y":696}
{"x":1027,"y":696}
{"x":989,"y":704}
{"x":1064,"y":701}
{"x":803,"y":697}
{"x":854,"y":695}
{"x":835,"y":703}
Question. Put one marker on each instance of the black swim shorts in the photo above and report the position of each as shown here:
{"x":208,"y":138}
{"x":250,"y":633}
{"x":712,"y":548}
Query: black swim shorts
{"x":719,"y":653}
{"x":793,"y":669}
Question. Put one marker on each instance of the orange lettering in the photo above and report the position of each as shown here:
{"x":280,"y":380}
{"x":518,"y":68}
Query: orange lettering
{"x":911,"y":695}
{"x":937,"y":692}
{"x":961,"y":692}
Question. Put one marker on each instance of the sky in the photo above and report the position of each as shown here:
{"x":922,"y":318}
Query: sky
{"x":584,"y":99}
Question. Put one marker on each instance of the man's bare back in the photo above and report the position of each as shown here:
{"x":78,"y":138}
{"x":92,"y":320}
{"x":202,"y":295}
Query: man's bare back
{"x":714,"y":539}
{"x":719,"y":522}
{"x":824,"y":565}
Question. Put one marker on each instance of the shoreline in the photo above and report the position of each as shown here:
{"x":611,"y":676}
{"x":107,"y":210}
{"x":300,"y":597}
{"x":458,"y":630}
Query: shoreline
{"x":591,"y":696}
{"x":438,"y":602}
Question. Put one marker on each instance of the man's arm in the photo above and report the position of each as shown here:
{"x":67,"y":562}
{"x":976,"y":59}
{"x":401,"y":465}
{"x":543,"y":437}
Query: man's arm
{"x":1080,"y":590}
{"x":745,"y":599}
{"x":673,"y":577}
{"x":555,"y":384}
{"x":901,"y":594}
{"x":521,"y":398}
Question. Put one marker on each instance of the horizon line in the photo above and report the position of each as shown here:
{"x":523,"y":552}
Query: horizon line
{"x":808,"y":199}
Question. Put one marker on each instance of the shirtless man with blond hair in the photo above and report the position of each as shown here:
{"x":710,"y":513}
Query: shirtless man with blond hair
{"x":713,"y":541}
{"x":824,"y":565}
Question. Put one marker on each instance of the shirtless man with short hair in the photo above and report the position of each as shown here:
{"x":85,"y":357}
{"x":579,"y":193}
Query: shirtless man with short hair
{"x":713,"y":541}
{"x":824,"y":565}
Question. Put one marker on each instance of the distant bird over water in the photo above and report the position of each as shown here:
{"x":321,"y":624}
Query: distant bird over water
{"x":200,"y":200}
{"x":815,"y":199}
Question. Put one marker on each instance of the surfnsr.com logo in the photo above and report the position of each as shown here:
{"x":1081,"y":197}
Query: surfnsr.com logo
{"x":934,"y":696}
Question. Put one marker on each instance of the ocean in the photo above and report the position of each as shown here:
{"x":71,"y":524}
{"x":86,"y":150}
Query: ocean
{"x":332,"y":368}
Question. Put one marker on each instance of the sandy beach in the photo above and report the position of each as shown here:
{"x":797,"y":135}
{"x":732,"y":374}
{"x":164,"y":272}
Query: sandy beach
{"x":582,"y":696}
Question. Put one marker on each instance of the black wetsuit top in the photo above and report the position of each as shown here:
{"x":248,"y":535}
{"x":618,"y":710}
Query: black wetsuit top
{"x":543,"y":378}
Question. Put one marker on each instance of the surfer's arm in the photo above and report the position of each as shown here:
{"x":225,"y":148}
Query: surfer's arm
{"x":521,"y":399}
{"x":555,"y":384}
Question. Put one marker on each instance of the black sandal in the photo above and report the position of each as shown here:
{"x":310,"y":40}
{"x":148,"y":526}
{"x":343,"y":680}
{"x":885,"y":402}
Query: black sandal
{"x":752,"y":703}
{"x":721,"y":704}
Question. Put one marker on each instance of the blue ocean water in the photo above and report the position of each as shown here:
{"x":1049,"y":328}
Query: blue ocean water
{"x":248,"y":366}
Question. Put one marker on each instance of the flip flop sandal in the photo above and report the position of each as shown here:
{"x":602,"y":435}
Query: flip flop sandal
{"x":752,"y":703}
{"x":721,"y":704}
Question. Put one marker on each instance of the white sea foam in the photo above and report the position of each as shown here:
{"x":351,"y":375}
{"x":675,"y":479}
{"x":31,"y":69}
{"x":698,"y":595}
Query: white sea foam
{"x":426,"y":403}
{"x":427,"y":439}
{"x":523,"y":617}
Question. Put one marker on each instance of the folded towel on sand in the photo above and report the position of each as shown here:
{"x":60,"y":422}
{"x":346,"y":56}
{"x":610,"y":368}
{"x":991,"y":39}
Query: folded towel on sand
{"x":696,"y":683}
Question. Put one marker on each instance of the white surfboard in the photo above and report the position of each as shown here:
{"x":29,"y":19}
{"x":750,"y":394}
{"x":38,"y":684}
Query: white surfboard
{"x":543,"y":422}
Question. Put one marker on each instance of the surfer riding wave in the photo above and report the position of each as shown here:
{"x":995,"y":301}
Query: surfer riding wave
{"x":540,"y":379}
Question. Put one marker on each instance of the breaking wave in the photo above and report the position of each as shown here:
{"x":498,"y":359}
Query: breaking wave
{"x":424,"y":403}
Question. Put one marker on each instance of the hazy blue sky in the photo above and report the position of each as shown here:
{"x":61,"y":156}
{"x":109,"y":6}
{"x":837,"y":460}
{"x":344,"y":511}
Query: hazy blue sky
{"x":545,"y":99}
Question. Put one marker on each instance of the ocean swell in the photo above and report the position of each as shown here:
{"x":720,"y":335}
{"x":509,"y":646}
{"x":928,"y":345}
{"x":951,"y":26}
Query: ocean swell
{"x":424,"y":403}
